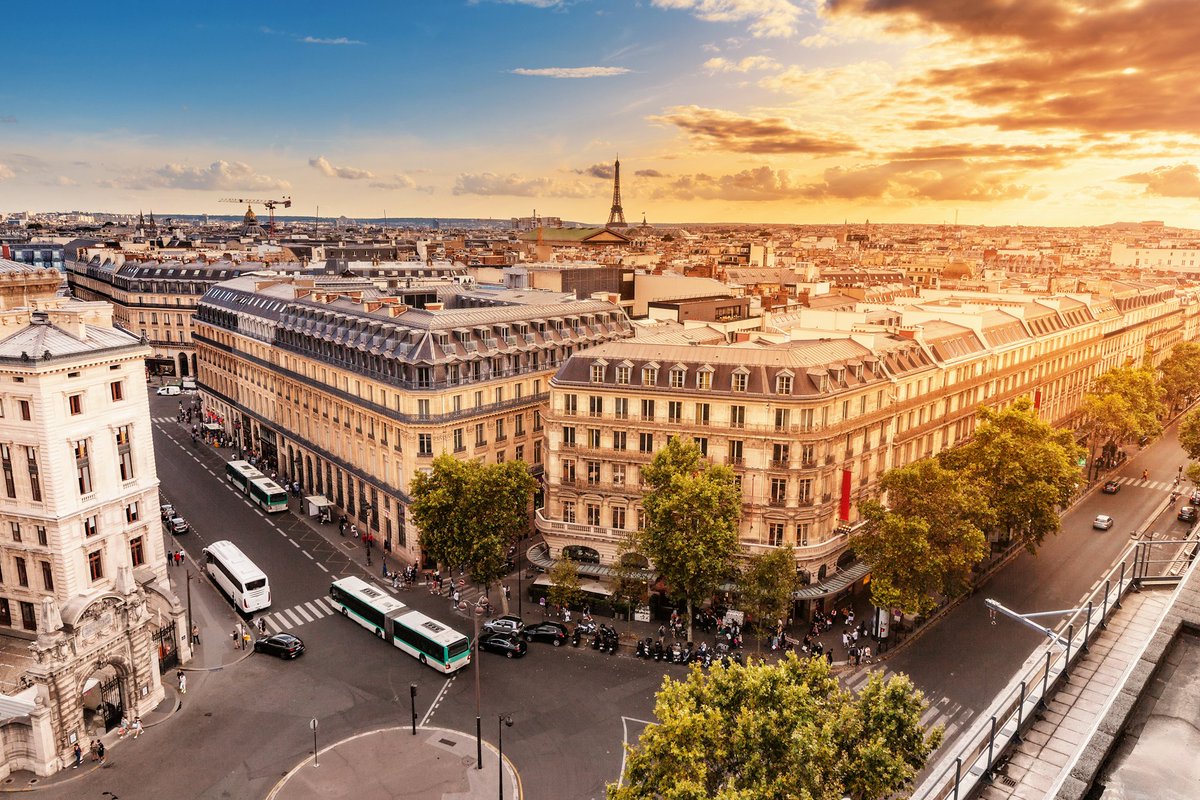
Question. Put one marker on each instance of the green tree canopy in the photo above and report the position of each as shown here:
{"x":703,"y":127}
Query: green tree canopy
{"x":564,"y":583}
{"x":765,"y":586}
{"x":784,"y":731}
{"x":629,"y":587}
{"x":1181,"y":374}
{"x":692,"y":511}
{"x":1143,"y":403}
{"x":925,"y":545}
{"x":1026,"y":469}
{"x":470,"y":513}
{"x":1189,"y":434}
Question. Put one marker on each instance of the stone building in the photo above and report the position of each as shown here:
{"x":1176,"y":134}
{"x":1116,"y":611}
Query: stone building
{"x":87,"y":617}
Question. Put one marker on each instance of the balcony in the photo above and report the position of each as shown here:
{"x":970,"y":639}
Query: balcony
{"x":777,"y":502}
{"x":735,"y":461}
{"x":779,"y":464}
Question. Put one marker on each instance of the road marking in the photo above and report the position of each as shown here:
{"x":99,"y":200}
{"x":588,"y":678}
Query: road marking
{"x":625,"y":740}
{"x":294,"y":543}
{"x":323,"y":569}
{"x":310,"y":556}
{"x":299,"y":611}
{"x":436,"y":701}
{"x":290,"y":614}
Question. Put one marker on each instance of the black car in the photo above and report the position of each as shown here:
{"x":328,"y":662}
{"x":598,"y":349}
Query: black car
{"x":1187,"y":514}
{"x":507,"y":644}
{"x":553,"y":632}
{"x":284,"y":645}
{"x":1111,"y":487}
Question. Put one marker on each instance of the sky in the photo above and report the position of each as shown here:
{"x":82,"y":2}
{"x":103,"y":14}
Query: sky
{"x":1043,"y":112}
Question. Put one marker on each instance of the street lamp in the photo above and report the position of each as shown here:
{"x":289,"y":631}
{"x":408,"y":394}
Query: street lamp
{"x":412,"y":693}
{"x":478,"y":715}
{"x":502,"y":721}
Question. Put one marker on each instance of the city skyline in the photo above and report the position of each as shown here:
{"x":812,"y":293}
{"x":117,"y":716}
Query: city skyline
{"x":769,"y":111}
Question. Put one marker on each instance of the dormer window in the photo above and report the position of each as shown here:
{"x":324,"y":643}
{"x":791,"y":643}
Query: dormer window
{"x":858,"y":372}
{"x":649,"y":376}
{"x":783,"y":384}
{"x":704,"y":378}
{"x":678,"y":377}
{"x":740,"y":380}
{"x":623,"y":375}
{"x":598,"y":372}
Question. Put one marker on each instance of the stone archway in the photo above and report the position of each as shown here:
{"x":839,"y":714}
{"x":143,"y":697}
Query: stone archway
{"x":104,"y":696}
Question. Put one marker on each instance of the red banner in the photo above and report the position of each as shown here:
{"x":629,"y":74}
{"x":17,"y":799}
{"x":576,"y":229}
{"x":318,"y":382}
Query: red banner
{"x":1037,"y":398}
{"x":844,"y":509}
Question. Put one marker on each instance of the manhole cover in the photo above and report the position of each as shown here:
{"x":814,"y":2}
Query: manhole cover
{"x":468,"y":761}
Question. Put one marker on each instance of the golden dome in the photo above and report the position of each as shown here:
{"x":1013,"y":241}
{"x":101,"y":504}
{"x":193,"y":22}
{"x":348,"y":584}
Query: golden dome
{"x":250,"y":217}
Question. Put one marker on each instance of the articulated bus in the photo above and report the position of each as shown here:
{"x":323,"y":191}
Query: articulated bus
{"x":240,"y":473}
{"x":425,"y":639}
{"x":237,"y":576}
{"x":268,"y":495}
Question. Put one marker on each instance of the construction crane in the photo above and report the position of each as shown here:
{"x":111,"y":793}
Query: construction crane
{"x":270,"y":205}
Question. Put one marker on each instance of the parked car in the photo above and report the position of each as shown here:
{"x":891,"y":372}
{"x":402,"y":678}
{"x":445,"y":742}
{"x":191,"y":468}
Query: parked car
{"x":507,"y":644}
{"x":178,"y":524}
{"x":1187,"y":514}
{"x":166,"y":511}
{"x":1196,"y":497}
{"x":509,"y":623}
{"x":284,"y":645}
{"x":553,"y":632}
{"x":167,"y":390}
{"x":1111,"y":487}
{"x":1102,"y":522}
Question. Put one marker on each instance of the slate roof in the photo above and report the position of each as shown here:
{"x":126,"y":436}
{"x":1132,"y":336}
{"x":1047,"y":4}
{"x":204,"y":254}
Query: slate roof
{"x":40,"y":337}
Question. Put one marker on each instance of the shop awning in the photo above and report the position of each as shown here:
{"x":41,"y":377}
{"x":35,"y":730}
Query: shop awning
{"x":841,"y":580}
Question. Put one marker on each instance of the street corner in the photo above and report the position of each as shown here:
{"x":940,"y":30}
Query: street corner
{"x":435,"y":762}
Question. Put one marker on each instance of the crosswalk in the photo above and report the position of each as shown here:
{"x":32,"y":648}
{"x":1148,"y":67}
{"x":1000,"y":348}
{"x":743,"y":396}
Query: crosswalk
{"x":163,"y":419}
{"x":943,"y":711}
{"x":1162,"y":486}
{"x":299,"y":614}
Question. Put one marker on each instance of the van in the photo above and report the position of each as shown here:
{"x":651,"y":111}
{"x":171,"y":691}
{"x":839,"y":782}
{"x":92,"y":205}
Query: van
{"x":168,"y":390}
{"x":189,"y":384}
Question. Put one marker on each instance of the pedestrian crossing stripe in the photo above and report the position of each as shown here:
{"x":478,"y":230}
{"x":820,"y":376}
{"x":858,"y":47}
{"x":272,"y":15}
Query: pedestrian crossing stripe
{"x":1162,"y":486}
{"x":299,"y":614}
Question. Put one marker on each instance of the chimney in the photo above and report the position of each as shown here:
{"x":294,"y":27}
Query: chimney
{"x":908,"y":332}
{"x":434,"y":306}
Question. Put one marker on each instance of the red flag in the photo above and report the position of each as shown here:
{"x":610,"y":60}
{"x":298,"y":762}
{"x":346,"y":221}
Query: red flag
{"x":844,"y":509}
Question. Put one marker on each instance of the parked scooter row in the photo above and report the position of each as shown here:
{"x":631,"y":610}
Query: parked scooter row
{"x":678,"y":653}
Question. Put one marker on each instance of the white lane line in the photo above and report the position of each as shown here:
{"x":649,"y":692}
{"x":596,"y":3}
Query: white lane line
{"x":317,"y":611}
{"x":273,"y":625}
{"x":287,"y":614}
{"x":294,"y":543}
{"x":436,"y":701}
{"x":323,"y":569}
{"x":299,"y":611}
{"x":310,"y":556}
{"x":324,"y":605}
{"x":625,"y":739}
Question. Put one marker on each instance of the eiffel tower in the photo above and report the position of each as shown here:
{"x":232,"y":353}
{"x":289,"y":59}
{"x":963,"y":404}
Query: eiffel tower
{"x":616,"y":216}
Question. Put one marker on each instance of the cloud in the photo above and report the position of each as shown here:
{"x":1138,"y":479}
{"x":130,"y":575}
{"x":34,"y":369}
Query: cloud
{"x":399,"y":181}
{"x":603,"y":171}
{"x":322,"y":165}
{"x":8,"y":120}
{"x":748,"y":63}
{"x":767,"y":18}
{"x":340,"y":40}
{"x":725,"y":130}
{"x":217,"y":175}
{"x":1181,"y":180}
{"x":649,"y":173}
{"x":1043,"y":64}
{"x":570,"y":72}
{"x":6,"y":172}
{"x":534,"y":3}
{"x":761,"y":184}
{"x":490,"y":184}
{"x":63,"y":180}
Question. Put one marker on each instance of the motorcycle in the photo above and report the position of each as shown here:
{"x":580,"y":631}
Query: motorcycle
{"x":648,"y":650}
{"x":658,"y":650}
{"x":610,"y":639}
{"x":596,"y":641}
{"x":640,"y":651}
{"x":688,"y":654}
{"x":575,"y":637}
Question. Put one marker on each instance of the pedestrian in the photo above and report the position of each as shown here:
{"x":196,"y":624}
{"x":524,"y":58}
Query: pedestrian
{"x":262,"y":625}
{"x":78,"y":756}
{"x":829,"y":657}
{"x":195,"y":635}
{"x":95,"y":751}
{"x":137,"y":727}
{"x":395,"y":580}
{"x":237,"y":636}
{"x":182,"y":682}
{"x":100,"y":752}
{"x":455,"y":597}
{"x":246,"y":640}
{"x":354,"y":530}
{"x":567,"y":615}
{"x":123,"y":728}
{"x":866,"y":654}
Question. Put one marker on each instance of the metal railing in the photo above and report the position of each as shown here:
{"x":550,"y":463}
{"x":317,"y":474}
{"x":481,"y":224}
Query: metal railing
{"x":959,"y":775}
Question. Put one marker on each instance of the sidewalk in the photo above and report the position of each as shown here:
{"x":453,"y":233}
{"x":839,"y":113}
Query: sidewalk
{"x":392,"y":763}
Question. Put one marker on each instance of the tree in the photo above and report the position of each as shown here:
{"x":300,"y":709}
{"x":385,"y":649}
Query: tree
{"x":1181,"y":374}
{"x":1106,"y":420}
{"x":1189,"y":434}
{"x":1026,"y":469}
{"x":776,"y":731}
{"x":469,"y":514}
{"x":1143,"y":397}
{"x":692,"y":511}
{"x":765,"y":587}
{"x":629,"y":587}
{"x":564,"y":583}
{"x":925,"y":545}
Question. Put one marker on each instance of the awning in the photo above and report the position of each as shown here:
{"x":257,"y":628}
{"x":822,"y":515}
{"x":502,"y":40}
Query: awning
{"x":20,"y":704}
{"x":843,"y":579}
{"x":539,"y":556}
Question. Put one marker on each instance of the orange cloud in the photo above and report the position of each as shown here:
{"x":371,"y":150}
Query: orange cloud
{"x":726,"y":130}
{"x":1181,"y":180}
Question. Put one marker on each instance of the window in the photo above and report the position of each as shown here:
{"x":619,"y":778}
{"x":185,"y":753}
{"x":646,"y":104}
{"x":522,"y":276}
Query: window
{"x":568,"y":471}
{"x":500,"y":434}
{"x":649,"y":376}
{"x":593,"y":514}
{"x":648,"y":410}
{"x":28,"y":618}
{"x":458,"y":440}
{"x":780,"y":455}
{"x":83,"y":470}
{"x":597,"y":373}
{"x":619,"y":440}
{"x":570,"y":405}
{"x":537,"y":451}
{"x":15,"y":527}
{"x":10,"y":485}
{"x":568,"y":510}
{"x":480,"y":435}
{"x":802,"y":534}
{"x":41,"y":536}
{"x":25,"y":413}
{"x":735,"y":451}
{"x":519,"y":425}
{"x":537,"y":420}
{"x":568,"y":436}
{"x":806,"y":490}
{"x":618,"y":518}
{"x":595,"y":406}
{"x":593,"y":472}
{"x":807,"y":455}
{"x":778,"y":491}
{"x":90,"y":526}
{"x":703,"y":412}
{"x":623,"y":375}
{"x":621,"y":407}
{"x":618,"y":474}
{"x":678,"y":376}
{"x":75,"y":403}
{"x":423,"y":408}
{"x":737,"y":416}
{"x":783,"y":384}
{"x":702,"y":443}
{"x":594,"y":437}
{"x":22,"y":572}
{"x":641,"y":519}
{"x":674,"y":411}
{"x":131,"y":512}
{"x":424,"y":444}
{"x":704,"y":380}
{"x":783,"y":417}
{"x":117,"y":390}
{"x":35,"y":478}
{"x":520,"y":452}
{"x":47,"y":576}
{"x":96,"y":564}
{"x":646,"y":442}
{"x":775,"y":534}
{"x":124,"y":454}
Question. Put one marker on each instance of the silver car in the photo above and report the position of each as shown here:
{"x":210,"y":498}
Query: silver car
{"x":1102,"y":522}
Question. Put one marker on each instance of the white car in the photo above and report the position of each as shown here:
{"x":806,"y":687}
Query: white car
{"x":1102,"y":522}
{"x":168,"y":390}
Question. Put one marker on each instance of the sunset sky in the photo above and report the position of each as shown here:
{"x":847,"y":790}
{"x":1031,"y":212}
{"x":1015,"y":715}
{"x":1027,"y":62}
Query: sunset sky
{"x":794,"y":111}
